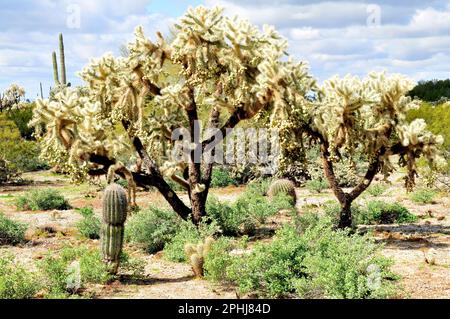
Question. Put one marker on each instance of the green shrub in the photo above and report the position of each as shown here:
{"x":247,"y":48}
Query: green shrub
{"x":21,"y":117}
{"x":15,"y":281}
{"x":306,"y":220}
{"x":21,"y":155}
{"x":379,"y":212}
{"x":423,"y":196}
{"x":255,"y":207}
{"x":376,"y":190}
{"x":46,"y":199}
{"x":60,"y":280}
{"x":316,"y":185}
{"x":221,"y":178}
{"x":131,"y":265}
{"x":90,"y":225}
{"x":373,"y":213}
{"x":259,"y":187}
{"x":247,"y":212}
{"x":230,"y":221}
{"x":188,"y":233}
{"x":342,"y":266}
{"x":8,"y":173}
{"x":218,"y":260}
{"x":11,"y":232}
{"x":320,"y":263}
{"x":152,"y":228}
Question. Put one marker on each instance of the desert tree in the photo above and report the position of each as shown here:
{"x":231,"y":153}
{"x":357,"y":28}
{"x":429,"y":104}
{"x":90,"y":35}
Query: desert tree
{"x":214,"y":65}
{"x":351,"y":117}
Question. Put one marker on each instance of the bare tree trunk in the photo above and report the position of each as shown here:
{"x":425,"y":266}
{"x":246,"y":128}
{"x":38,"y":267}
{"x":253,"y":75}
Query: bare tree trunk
{"x":345,"y":218}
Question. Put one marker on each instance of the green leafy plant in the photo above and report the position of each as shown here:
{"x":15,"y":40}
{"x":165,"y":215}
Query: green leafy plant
{"x":218,"y":260}
{"x":316,"y":185}
{"x":11,"y":232}
{"x":21,"y":117}
{"x":46,"y":199}
{"x":221,"y":178}
{"x":259,"y":187}
{"x":319,"y":263}
{"x":423,"y":196}
{"x":373,"y":213}
{"x":60,"y":271}
{"x":152,"y":228}
{"x":15,"y":281}
{"x":343,"y":266}
{"x":377,"y":190}
{"x":380,"y":212}
{"x":90,"y":225}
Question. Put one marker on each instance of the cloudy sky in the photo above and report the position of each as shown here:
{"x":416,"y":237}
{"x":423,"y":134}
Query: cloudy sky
{"x":336,"y":37}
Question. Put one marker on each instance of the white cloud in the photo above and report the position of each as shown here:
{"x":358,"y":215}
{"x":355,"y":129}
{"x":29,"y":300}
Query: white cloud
{"x":413,"y":38}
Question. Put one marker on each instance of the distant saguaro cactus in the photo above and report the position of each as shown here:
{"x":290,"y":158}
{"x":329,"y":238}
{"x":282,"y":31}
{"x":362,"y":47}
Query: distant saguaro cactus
{"x":62,"y":58}
{"x":55,"y":69}
{"x":62,"y":61}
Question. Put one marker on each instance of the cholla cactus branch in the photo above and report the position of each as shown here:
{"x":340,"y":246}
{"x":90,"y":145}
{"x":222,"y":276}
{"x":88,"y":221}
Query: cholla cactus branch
{"x":131,"y":105}
{"x":352,"y":116}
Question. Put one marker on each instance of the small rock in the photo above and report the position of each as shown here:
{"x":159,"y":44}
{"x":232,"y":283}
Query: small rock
{"x":430,"y":256}
{"x":440,"y":218}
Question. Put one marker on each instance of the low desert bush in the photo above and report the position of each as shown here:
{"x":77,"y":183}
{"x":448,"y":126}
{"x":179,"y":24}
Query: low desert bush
{"x":72,"y":269}
{"x":230,"y":221}
{"x":152,"y":228}
{"x":379,"y":212}
{"x":247,"y":212}
{"x":260,"y":186}
{"x":423,"y":196}
{"x":11,"y":232}
{"x":46,"y":199}
{"x":188,"y":233}
{"x":376,"y":190}
{"x":320,"y":263}
{"x":218,"y":260}
{"x":221,"y":177}
{"x":373,"y":213}
{"x":89,"y":226}
{"x":316,"y":185}
{"x":15,"y":281}
{"x":21,"y":155}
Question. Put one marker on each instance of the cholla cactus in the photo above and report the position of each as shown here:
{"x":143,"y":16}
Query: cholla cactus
{"x":130,"y":106}
{"x":352,"y":116}
{"x":196,"y":255}
{"x":11,"y":98}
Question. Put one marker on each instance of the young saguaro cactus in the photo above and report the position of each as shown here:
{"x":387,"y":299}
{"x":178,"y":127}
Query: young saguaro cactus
{"x":55,"y":69}
{"x":196,"y":255}
{"x":115,"y":205}
{"x":282,"y":186}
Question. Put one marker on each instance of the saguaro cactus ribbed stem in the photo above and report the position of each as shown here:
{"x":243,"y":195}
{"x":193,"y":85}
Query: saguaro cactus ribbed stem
{"x":55,"y":69}
{"x":41,"y":91}
{"x":62,"y":58}
{"x":115,"y":207}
